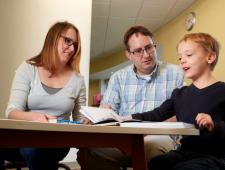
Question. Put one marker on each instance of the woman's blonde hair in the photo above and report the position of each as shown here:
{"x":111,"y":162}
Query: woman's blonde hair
{"x":206,"y":41}
{"x":49,"y":53}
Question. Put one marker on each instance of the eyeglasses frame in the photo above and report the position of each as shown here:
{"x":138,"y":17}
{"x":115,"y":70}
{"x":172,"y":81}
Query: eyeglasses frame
{"x":141,"y":53}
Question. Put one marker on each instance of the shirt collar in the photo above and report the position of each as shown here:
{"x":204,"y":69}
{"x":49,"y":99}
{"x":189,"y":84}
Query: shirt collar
{"x":151,"y":75}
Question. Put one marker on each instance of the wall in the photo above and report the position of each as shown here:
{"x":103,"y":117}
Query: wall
{"x":100,"y":64}
{"x":24,"y":25}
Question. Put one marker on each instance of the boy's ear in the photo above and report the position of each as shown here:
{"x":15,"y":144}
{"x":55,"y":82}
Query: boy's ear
{"x":211,"y":58}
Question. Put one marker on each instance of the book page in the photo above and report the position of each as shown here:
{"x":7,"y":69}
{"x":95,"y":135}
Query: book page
{"x":96,"y":114}
{"x":166,"y":125}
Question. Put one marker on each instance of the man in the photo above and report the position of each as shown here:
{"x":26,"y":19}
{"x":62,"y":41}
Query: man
{"x":137,"y":88}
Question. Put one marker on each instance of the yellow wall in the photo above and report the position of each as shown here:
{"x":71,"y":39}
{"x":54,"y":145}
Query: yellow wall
{"x":107,"y":62}
{"x":210,"y":17}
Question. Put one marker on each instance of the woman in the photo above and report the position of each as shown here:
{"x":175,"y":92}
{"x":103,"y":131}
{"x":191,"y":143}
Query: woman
{"x":48,"y":86}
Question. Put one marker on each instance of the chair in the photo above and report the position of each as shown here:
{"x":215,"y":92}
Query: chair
{"x":20,"y":165}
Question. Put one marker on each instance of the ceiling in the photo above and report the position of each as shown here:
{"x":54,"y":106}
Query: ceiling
{"x":111,"y":18}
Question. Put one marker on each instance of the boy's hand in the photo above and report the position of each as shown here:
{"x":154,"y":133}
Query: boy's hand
{"x":125,"y":118}
{"x":205,"y":120}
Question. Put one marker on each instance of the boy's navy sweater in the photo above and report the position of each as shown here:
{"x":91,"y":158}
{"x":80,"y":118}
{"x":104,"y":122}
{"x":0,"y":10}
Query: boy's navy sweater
{"x":186,"y":103}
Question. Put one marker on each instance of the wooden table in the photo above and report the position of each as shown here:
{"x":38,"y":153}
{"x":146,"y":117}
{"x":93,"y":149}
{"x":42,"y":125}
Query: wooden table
{"x":15,"y":133}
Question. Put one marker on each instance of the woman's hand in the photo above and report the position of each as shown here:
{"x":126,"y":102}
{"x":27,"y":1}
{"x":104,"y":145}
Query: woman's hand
{"x":205,"y":120}
{"x":30,"y":116}
{"x":41,"y":117}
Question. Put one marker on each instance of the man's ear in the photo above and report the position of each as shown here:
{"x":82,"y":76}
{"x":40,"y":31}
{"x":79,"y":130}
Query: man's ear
{"x":211,"y":58}
{"x":128,"y":55}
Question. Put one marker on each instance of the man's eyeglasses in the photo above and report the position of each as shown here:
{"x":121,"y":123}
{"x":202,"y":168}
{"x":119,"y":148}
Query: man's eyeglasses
{"x":68,"y":41}
{"x":140,"y":51}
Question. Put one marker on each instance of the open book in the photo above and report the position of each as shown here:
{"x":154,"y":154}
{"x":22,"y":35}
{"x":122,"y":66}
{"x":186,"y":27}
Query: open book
{"x":102,"y":115}
{"x":96,"y":114}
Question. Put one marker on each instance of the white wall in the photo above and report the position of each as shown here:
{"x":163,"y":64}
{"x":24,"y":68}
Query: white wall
{"x":24,"y":24}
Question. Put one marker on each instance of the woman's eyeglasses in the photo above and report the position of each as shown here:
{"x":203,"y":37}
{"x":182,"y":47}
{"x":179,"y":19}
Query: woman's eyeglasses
{"x":69,"y":42}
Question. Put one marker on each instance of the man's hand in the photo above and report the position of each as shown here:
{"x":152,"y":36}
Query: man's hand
{"x":205,"y":120}
{"x":106,"y":106}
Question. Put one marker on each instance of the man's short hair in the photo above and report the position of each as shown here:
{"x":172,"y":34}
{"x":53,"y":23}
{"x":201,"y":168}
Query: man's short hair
{"x":138,"y":29}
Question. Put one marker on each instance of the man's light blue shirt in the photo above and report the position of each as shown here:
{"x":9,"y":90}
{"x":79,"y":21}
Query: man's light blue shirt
{"x":129,"y":93}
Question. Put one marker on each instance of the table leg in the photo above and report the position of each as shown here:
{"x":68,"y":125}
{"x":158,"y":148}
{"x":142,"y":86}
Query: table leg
{"x":138,"y":153}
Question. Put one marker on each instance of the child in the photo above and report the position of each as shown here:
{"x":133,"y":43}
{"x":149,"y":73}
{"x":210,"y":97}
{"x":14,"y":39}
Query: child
{"x":202,"y":103}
